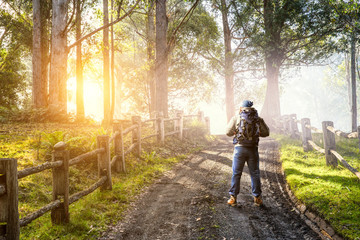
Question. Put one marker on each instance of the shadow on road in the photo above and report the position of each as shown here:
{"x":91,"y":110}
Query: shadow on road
{"x":189,"y":202}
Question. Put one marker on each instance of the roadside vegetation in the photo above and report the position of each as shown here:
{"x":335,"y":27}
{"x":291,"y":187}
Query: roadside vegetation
{"x":334,"y":193}
{"x":31,"y":145}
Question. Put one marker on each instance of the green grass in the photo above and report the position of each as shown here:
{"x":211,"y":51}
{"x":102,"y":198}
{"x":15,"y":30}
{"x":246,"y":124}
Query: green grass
{"x":334,"y":193}
{"x":91,"y":215}
{"x":348,"y":148}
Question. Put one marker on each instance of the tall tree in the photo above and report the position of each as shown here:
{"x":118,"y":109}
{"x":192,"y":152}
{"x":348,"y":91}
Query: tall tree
{"x":186,"y":68}
{"x":80,"y":111}
{"x":161,"y":62}
{"x":59,"y":56}
{"x":106,"y":71}
{"x":112,"y":63}
{"x":150,"y":32}
{"x":273,"y":59}
{"x":284,"y":33}
{"x":353,"y":84}
{"x":347,"y":15}
{"x":40,"y":57}
{"x":229,"y":68}
{"x":106,"y":66}
{"x":163,"y":48}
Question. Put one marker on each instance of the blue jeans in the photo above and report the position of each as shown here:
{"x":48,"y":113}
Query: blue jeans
{"x":251,"y":156}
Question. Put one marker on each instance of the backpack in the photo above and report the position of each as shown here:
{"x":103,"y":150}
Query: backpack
{"x":250,"y":128}
{"x":264,"y":129}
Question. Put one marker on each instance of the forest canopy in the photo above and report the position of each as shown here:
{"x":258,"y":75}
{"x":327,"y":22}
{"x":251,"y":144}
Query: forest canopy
{"x":112,"y":59}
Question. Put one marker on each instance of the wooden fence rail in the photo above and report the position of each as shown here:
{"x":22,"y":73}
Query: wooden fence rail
{"x":59,"y":206}
{"x":332,"y":157}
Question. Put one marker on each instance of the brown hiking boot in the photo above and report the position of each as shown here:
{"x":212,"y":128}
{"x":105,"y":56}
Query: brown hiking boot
{"x":232,"y":200}
{"x":258,"y":201}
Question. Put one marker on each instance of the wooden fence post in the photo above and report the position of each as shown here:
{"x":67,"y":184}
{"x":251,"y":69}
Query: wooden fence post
{"x":152,"y":116}
{"x":207,"y":121}
{"x":294,"y":127}
{"x":201,"y":116}
{"x":60,"y":184}
{"x":119,"y":148}
{"x":284,"y":123}
{"x":329,"y":143}
{"x":161,"y":128}
{"x":104,"y":163}
{"x":280,"y":124}
{"x":180,"y":123}
{"x":136,"y":134}
{"x":287,"y":124}
{"x":306,"y":134}
{"x":176,"y":122}
{"x":9,"y":199}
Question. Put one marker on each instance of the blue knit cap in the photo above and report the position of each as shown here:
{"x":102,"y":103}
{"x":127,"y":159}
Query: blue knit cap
{"x":246,"y":103}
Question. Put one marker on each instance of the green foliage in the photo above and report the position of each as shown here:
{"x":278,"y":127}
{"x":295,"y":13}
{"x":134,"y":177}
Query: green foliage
{"x":332,"y":192}
{"x":289,"y":31}
{"x":15,"y":43}
{"x":346,"y":16}
{"x":188,"y":70}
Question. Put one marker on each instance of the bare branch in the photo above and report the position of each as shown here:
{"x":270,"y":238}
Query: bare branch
{"x":67,"y":28}
{"x":119,"y":9}
{"x":238,"y":49}
{"x":249,"y":70}
{"x":240,"y":39}
{"x":103,"y":27}
{"x":212,"y":58}
{"x":137,"y":30}
{"x":3,"y":36}
{"x":189,"y":13}
{"x":255,"y":7}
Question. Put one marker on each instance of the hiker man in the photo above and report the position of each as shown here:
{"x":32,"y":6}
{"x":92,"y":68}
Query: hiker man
{"x":246,"y":128}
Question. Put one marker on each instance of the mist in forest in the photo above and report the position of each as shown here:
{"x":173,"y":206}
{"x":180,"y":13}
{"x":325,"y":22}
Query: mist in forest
{"x":319,"y":93}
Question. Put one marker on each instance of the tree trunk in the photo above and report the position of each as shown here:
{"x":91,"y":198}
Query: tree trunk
{"x":271,"y":107}
{"x":40,"y":55}
{"x":273,"y":59}
{"x":353,"y":85}
{"x":151,"y":56}
{"x":348,"y":78}
{"x":80,"y":112}
{"x":112,"y":65}
{"x":106,"y":70}
{"x":161,"y":63}
{"x":229,"y":69}
{"x":45,"y":48}
{"x":58,"y":67}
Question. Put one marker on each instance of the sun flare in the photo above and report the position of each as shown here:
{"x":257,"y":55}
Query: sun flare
{"x":93,"y":98}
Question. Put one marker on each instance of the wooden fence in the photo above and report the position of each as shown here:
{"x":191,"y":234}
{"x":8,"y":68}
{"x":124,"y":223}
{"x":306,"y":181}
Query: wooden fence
{"x":10,"y":222}
{"x":287,"y":124}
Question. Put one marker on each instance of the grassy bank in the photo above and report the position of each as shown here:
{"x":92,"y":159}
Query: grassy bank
{"x":334,"y":193}
{"x":91,"y":215}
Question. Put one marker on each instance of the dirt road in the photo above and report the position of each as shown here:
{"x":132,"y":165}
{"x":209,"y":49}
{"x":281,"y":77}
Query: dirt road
{"x":189,"y":202}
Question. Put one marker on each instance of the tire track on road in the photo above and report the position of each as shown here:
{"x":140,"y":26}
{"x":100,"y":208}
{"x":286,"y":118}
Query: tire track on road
{"x":189,"y":202}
